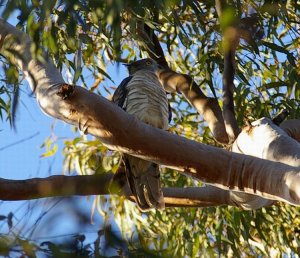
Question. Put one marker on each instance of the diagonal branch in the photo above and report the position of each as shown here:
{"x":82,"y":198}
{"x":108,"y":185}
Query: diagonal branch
{"x":209,"y":108}
{"x":176,"y":82}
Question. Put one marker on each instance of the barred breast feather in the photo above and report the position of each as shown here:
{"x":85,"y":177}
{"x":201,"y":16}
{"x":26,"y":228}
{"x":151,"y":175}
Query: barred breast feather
{"x":142,"y":96}
{"x":147,"y":100}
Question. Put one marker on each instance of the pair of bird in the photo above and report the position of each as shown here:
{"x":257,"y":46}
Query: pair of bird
{"x":142,"y":95}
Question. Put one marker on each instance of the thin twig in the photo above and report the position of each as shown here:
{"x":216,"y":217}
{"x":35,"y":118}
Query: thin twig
{"x":20,"y":141}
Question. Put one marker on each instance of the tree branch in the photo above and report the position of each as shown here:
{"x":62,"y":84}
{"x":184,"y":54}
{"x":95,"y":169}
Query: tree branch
{"x":231,"y":40}
{"x":230,"y":121}
{"x":176,"y":82}
{"x":208,"y":107}
{"x":62,"y":186}
{"x":15,"y":46}
{"x":121,"y":131}
{"x":263,"y":138}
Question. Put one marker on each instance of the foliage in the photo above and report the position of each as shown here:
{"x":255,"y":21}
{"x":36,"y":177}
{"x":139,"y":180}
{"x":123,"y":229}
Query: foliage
{"x":86,"y":37}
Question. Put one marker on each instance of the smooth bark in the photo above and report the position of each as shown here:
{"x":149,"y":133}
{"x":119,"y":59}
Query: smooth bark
{"x":265,"y":140}
{"x":63,"y":186}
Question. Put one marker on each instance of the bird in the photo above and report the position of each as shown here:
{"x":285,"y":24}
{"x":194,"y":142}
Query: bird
{"x":142,"y":95}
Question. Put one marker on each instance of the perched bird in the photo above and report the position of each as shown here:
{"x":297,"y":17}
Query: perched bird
{"x":142,"y":95}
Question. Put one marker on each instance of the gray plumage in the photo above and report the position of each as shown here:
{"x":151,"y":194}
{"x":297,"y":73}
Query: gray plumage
{"x":142,"y":95}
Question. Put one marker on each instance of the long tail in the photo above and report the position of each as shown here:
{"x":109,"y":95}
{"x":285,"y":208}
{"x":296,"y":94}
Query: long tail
{"x":144,"y":181}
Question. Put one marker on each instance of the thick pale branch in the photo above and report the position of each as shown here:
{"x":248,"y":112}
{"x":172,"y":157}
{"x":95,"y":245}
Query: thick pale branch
{"x":62,"y":186}
{"x":224,"y":169}
{"x":97,"y":116}
{"x":266,"y":140}
{"x":16,"y":46}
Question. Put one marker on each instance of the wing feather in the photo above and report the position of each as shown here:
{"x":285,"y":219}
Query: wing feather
{"x":121,"y":92}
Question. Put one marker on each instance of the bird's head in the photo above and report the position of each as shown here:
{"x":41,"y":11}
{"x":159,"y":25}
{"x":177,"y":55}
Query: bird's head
{"x":143,"y":64}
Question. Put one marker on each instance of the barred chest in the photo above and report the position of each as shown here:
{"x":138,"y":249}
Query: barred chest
{"x":146,"y":99}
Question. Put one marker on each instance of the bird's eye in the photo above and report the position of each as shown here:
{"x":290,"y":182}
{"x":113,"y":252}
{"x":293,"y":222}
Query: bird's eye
{"x":148,"y":63}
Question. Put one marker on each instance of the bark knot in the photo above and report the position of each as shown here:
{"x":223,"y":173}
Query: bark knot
{"x":65,"y":91}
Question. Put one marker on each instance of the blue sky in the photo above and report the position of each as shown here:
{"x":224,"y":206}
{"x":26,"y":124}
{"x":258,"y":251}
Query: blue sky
{"x":23,"y":160}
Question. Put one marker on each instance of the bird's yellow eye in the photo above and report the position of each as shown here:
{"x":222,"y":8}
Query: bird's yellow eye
{"x":148,"y":63}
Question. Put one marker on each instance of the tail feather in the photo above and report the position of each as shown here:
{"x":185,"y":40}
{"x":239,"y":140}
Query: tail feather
{"x":144,"y":181}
